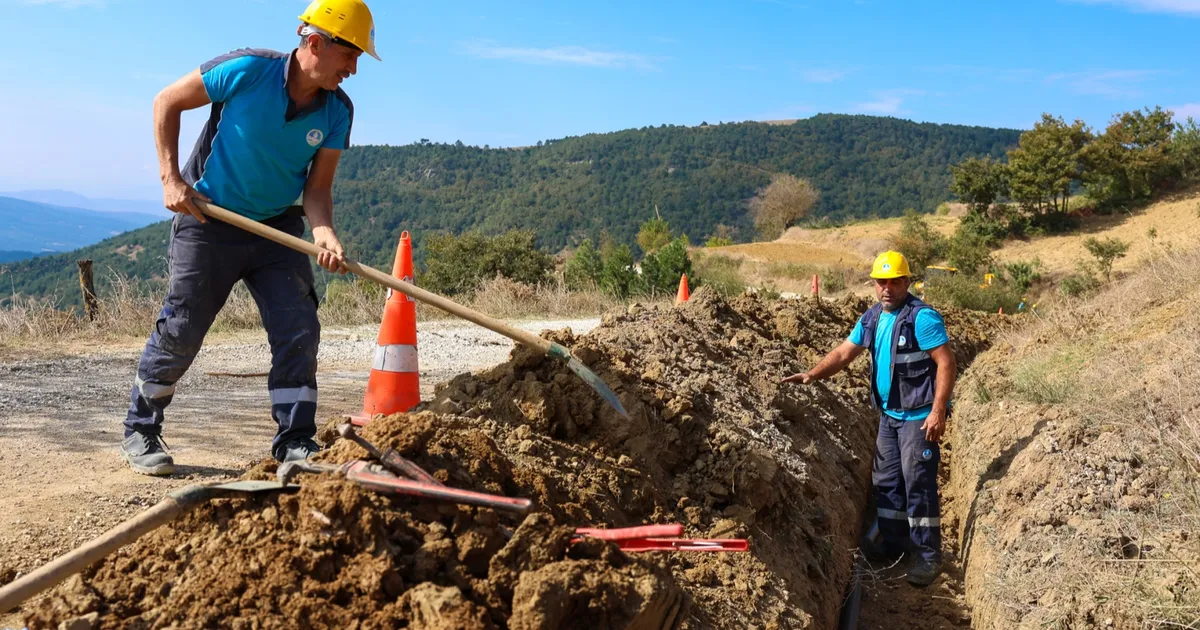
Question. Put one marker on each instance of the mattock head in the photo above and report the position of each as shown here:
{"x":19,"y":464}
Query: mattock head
{"x":288,"y":470}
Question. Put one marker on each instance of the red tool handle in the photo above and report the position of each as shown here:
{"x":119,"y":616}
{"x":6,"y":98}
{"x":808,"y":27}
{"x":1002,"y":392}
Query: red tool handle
{"x":407,"y":468}
{"x":360,"y":473}
{"x":684,"y":544}
{"x":625,"y":533}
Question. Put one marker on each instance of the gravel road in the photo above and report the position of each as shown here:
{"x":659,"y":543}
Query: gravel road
{"x":60,"y":424}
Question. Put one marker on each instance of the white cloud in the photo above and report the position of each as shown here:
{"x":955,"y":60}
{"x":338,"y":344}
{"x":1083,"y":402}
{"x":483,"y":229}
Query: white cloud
{"x":562,"y":55}
{"x":822,"y":75}
{"x":67,"y":4}
{"x":887,"y":102}
{"x":1182,"y":112}
{"x":1184,"y":7}
{"x":1106,"y":83}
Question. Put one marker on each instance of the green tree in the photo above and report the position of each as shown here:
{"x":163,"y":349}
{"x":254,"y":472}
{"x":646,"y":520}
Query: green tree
{"x":1131,"y":161}
{"x":457,"y":264}
{"x":618,"y":278}
{"x":1185,"y":150}
{"x":919,"y":243}
{"x":979,"y":183}
{"x":661,"y":270}
{"x":1046,"y":163}
{"x":1106,"y":252}
{"x":584,"y":267}
{"x":778,"y":206}
{"x":653,"y":234}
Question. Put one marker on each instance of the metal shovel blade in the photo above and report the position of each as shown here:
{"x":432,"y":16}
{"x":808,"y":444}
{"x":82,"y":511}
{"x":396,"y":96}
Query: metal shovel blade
{"x":596,"y":383}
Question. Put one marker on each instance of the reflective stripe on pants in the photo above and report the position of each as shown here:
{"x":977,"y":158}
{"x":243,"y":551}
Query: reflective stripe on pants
{"x":906,"y":493}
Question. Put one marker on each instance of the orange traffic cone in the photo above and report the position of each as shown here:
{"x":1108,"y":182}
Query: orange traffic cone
{"x":394,"y":385}
{"x":816,"y":288}
{"x":683,"y":294}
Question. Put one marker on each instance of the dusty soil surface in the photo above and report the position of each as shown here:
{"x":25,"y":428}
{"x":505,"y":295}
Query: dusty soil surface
{"x":61,"y":411}
{"x":714,"y":442}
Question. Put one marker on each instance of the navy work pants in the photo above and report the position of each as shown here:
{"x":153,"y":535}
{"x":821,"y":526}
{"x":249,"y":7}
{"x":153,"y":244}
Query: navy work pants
{"x":206,"y":260}
{"x":906,"y":491}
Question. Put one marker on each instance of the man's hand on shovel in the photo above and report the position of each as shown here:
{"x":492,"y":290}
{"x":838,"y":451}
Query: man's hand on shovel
{"x":527,"y":338}
{"x":333,"y":256}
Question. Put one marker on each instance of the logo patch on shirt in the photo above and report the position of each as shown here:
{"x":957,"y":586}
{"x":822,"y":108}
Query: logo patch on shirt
{"x":315,"y":137}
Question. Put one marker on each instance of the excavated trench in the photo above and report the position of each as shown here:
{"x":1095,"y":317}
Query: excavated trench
{"x":714,"y":442}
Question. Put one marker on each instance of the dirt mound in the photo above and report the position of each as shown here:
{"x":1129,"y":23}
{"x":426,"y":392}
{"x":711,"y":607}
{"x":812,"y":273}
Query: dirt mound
{"x":714,"y":442}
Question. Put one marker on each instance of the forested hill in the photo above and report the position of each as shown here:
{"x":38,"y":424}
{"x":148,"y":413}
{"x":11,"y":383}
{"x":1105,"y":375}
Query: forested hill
{"x":697,"y":176}
{"x":575,"y":187}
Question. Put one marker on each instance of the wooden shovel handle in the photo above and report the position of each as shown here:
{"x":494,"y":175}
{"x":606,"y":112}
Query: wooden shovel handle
{"x":46,"y":576}
{"x":387,"y":280}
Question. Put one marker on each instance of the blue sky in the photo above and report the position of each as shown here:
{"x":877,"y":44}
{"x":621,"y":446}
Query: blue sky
{"x":79,"y":76}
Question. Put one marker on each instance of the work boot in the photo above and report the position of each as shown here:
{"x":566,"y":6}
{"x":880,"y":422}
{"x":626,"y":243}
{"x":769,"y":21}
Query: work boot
{"x":298,"y":450}
{"x":146,"y":454}
{"x":924,"y":572}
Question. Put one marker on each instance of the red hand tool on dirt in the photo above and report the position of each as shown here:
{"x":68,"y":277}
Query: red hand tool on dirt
{"x":660,"y":538}
{"x":390,"y":459}
{"x":369,"y":476}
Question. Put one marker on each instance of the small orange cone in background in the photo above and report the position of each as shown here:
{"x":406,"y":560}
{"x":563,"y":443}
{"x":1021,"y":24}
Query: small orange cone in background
{"x":394,"y":385}
{"x":816,"y":290}
{"x":1001,"y":310}
{"x":683,"y":294}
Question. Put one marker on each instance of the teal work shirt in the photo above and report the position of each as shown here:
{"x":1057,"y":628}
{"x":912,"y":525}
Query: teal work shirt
{"x":931,"y":333}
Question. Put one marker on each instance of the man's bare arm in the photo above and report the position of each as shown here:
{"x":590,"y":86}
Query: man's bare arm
{"x":318,"y":207}
{"x":947,"y":373}
{"x":833,"y":363}
{"x":186,"y":93}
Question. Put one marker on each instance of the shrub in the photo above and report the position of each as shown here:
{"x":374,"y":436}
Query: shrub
{"x":991,"y":231}
{"x":1023,"y":274}
{"x":717,"y":241}
{"x":943,"y":209}
{"x":458,"y":264}
{"x":1080,"y":283}
{"x":969,"y":253}
{"x":1106,"y":252}
{"x":919,"y":243}
{"x":964,"y":291}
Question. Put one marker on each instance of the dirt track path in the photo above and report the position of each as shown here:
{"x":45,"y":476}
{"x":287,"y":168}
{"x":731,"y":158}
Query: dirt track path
{"x":61,"y":413}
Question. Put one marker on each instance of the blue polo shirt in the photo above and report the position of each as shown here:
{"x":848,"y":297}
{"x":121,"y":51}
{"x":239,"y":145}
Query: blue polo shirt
{"x":931,"y":333}
{"x":253,"y":155}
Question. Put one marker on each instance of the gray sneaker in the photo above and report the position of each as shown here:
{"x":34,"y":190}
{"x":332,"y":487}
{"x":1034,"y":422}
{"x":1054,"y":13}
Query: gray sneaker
{"x":924,"y":572}
{"x":146,"y":454}
{"x":298,"y":450}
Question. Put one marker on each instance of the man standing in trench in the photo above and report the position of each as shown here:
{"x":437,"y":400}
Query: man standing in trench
{"x":278,"y":125}
{"x":912,"y":379}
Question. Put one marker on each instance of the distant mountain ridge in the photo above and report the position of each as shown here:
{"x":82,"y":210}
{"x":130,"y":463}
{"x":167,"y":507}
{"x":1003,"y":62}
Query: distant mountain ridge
{"x":586,"y":186}
{"x":40,"y":227}
{"x":69,"y":199}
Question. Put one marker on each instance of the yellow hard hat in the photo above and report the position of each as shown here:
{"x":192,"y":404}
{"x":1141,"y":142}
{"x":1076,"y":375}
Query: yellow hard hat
{"x":347,"y":20}
{"x":890,"y":264}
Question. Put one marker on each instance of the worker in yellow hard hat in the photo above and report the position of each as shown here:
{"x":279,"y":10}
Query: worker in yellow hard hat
{"x":912,"y":379}
{"x":276,"y":130}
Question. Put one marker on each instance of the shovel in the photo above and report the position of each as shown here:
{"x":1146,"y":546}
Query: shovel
{"x":520,"y":336}
{"x":174,"y":505}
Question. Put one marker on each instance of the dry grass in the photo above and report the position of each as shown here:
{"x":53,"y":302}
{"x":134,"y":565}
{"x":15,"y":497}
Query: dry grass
{"x":128,"y":309}
{"x":1128,"y":362}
